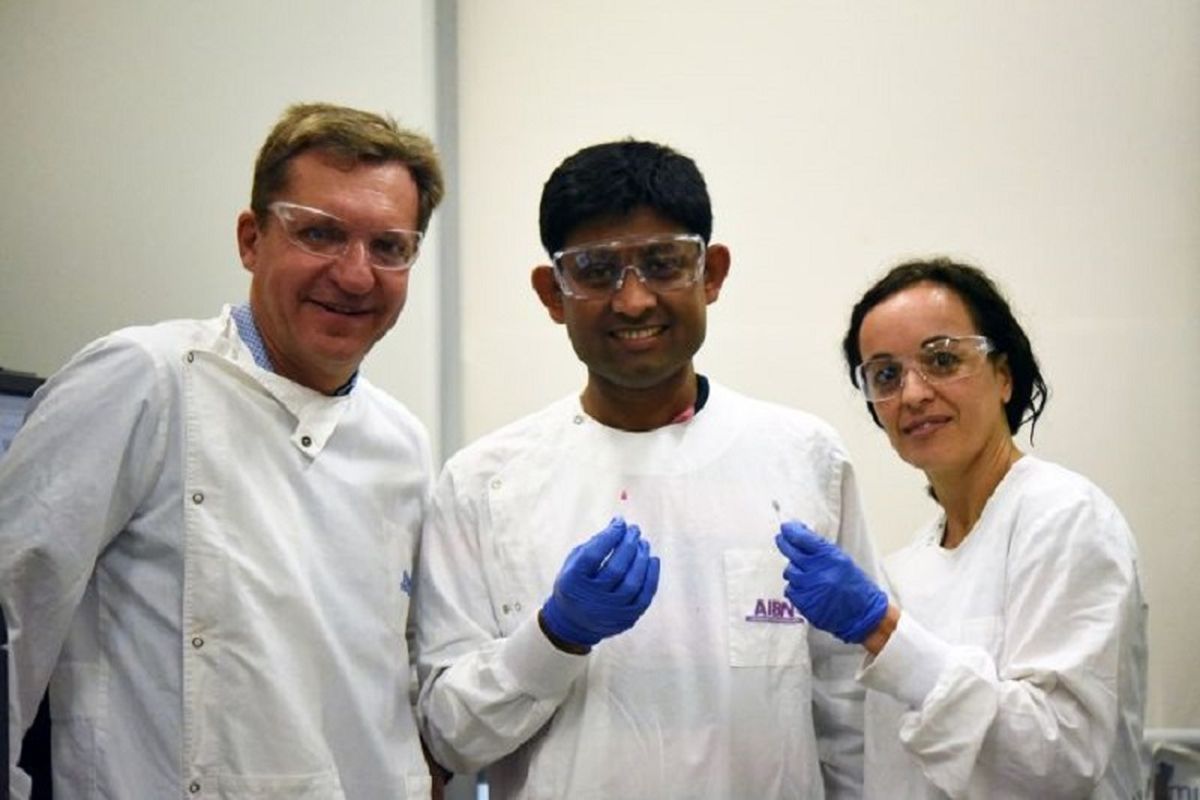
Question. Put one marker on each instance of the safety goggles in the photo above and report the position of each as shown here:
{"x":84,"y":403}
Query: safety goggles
{"x":322,"y":234}
{"x":597,"y":270}
{"x":942,"y":360}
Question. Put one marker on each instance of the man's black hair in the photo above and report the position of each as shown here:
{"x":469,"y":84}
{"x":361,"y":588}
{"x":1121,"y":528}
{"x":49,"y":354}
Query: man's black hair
{"x":612,"y":180}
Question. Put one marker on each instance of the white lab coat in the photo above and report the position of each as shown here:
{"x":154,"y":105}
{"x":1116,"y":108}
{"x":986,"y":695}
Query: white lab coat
{"x":1018,"y":666}
{"x":214,"y":562}
{"x":721,"y":690}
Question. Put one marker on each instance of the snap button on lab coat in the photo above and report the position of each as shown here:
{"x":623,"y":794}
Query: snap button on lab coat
{"x":306,"y":441}
{"x":516,"y":606}
{"x":579,"y":419}
{"x":497,"y":483}
{"x":193,"y":787}
{"x":191,"y":357}
{"x":198,"y":498}
{"x":197,"y":642}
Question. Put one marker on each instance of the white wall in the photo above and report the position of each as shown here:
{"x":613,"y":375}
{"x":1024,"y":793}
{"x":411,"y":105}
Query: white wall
{"x":1055,"y":144}
{"x":130,"y":130}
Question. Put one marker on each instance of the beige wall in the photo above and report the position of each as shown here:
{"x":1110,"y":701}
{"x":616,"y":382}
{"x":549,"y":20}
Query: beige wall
{"x":129,"y":135}
{"x":1055,"y":144}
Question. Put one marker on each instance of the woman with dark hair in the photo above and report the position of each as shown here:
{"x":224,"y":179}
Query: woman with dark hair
{"x":1008,"y":657}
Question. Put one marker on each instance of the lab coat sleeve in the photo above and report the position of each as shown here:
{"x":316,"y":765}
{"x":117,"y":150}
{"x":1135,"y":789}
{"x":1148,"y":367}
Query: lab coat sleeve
{"x":89,"y":451}
{"x":482,"y":694}
{"x":1039,"y":721}
{"x":837,"y":694}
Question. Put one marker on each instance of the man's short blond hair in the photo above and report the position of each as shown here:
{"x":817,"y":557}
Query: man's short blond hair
{"x":353,"y":136}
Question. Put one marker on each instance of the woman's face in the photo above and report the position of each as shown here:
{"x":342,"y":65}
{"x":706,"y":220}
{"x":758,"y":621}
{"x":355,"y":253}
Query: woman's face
{"x":941,"y":428}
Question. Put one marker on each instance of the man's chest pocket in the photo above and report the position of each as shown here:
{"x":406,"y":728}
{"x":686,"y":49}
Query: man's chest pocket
{"x":765,"y":629}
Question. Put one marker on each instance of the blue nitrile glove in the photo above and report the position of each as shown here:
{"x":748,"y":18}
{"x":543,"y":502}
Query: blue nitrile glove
{"x":827,"y":586}
{"x":604,"y":586}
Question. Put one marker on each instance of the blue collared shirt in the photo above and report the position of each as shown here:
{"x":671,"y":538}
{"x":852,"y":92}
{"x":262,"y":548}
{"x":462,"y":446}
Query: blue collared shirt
{"x":243,"y":317}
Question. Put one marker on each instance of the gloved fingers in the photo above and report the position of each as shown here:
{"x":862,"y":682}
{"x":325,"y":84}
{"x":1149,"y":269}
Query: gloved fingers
{"x":814,"y":602}
{"x":810,"y":552}
{"x":623,"y":555}
{"x":595,"y":550}
{"x":802,"y":538}
{"x":635,"y":576}
{"x":792,"y":553}
{"x":795,"y":596}
{"x":802,"y":563}
{"x":650,"y":584}
{"x":794,"y":576}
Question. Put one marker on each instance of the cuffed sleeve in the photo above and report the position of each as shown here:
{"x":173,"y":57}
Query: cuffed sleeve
{"x":483,"y":693}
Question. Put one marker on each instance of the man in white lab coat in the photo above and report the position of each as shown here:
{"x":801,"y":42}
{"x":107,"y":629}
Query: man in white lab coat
{"x":657,"y":658}
{"x":207,"y":527}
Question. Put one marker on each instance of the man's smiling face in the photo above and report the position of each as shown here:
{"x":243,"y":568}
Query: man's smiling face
{"x":636,"y":338}
{"x":319,"y":316}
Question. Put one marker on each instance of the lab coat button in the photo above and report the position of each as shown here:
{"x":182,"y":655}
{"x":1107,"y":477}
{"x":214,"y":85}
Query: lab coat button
{"x":197,"y":642}
{"x":198,"y":498}
{"x":306,"y":441}
{"x":191,"y":357}
{"x":497,"y":483}
{"x":516,"y":606}
{"x":579,"y":419}
{"x":193,"y":787}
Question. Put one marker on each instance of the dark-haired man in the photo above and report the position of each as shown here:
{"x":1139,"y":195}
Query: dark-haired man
{"x":657,"y":658}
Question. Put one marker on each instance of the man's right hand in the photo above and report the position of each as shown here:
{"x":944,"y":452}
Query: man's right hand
{"x":603,"y":588}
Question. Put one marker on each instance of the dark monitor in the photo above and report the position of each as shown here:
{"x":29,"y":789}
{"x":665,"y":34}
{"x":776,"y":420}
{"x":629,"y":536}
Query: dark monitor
{"x":15,"y":390}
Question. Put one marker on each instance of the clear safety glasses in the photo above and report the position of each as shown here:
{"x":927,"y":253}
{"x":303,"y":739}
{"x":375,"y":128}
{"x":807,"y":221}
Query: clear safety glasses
{"x":942,"y":360}
{"x":321,"y":234}
{"x":662,"y":263}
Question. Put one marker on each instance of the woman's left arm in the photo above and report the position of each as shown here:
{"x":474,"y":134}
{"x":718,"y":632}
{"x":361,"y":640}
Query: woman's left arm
{"x":1040,"y":719}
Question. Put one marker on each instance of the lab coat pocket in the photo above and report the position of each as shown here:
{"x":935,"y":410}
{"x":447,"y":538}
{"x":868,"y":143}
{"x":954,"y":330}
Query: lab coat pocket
{"x":765,"y":629}
{"x":395,"y":574}
{"x":312,"y":786}
{"x":74,"y":713}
